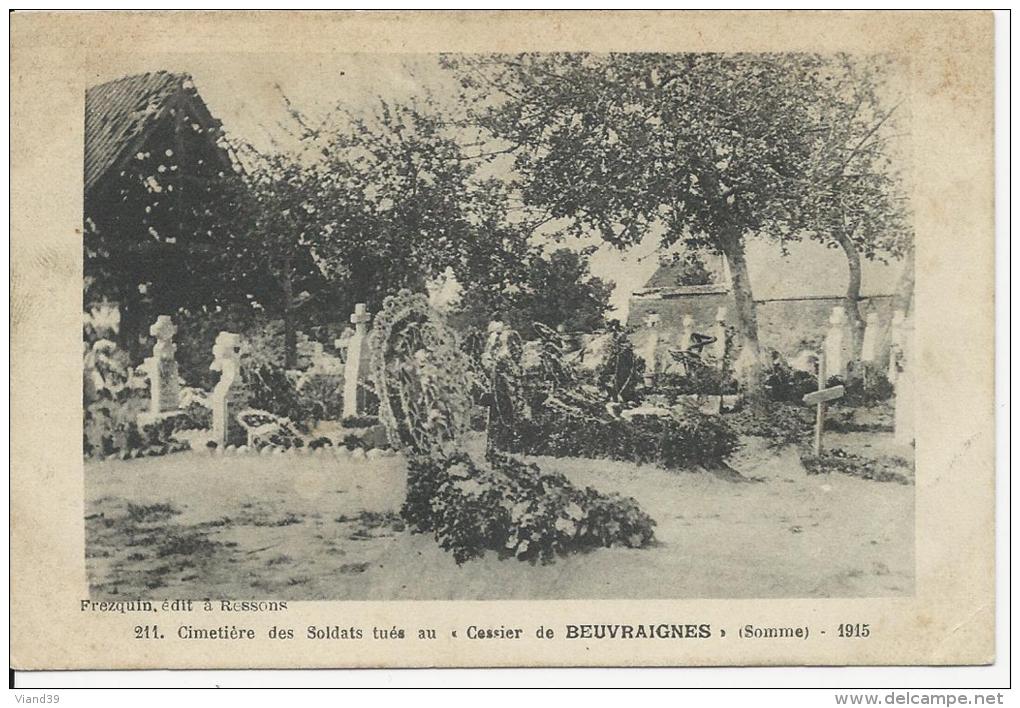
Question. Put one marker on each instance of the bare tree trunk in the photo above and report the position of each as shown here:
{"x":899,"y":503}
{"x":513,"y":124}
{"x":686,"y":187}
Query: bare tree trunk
{"x":853,"y":297}
{"x":747,"y":319}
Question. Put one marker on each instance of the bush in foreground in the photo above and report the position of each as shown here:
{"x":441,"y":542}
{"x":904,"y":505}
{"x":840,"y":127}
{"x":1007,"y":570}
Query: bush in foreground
{"x":516,"y":510}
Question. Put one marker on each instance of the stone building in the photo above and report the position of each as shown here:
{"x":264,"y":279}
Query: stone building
{"x":794,"y":294}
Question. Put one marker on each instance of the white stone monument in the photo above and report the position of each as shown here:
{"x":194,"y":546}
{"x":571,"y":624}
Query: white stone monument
{"x":164,"y":390}
{"x":835,"y":343}
{"x":357,"y":364}
{"x":229,"y":396}
{"x":869,"y":346}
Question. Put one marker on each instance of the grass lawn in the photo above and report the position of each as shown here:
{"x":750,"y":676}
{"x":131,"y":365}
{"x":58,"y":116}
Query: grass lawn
{"x":301,"y":527}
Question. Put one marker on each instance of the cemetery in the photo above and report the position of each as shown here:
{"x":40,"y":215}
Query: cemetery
{"x":305,"y":419}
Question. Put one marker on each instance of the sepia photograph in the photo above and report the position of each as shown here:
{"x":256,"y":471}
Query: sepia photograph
{"x":505,"y":339}
{"x":473,"y":327}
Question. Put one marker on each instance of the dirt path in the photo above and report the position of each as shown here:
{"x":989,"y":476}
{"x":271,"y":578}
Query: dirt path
{"x":302,"y":527}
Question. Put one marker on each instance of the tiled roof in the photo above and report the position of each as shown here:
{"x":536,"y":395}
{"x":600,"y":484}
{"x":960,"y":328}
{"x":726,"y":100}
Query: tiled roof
{"x":117,"y":113}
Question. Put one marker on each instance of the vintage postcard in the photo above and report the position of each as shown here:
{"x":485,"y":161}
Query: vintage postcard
{"x":396,"y":339}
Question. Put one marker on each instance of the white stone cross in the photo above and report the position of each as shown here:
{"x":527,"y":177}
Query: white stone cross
{"x":360,"y":318}
{"x":162,"y":369}
{"x":227,"y":396}
{"x":163,"y":329}
{"x":356,"y":366}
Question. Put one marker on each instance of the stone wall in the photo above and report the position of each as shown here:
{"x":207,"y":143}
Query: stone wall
{"x":785,"y":325}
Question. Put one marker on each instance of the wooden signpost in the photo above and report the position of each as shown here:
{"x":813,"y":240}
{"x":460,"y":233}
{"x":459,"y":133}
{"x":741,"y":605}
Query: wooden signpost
{"x":820,"y":398}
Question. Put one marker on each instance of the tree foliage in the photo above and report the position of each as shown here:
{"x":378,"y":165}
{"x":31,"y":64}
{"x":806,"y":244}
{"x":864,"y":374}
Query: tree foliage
{"x":858,"y":202}
{"x":399,"y":210}
{"x":704,"y":149}
{"x":153,"y":224}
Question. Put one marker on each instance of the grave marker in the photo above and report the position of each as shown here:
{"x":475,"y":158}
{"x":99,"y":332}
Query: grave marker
{"x":164,"y":390}
{"x":649,"y":349}
{"x":357,"y":365}
{"x":869,"y":346}
{"x":835,"y":342}
{"x":230,"y":395}
{"x":820,"y":398}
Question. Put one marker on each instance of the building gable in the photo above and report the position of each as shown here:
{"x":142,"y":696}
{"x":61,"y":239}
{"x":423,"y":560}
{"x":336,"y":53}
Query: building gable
{"x":120,"y":114}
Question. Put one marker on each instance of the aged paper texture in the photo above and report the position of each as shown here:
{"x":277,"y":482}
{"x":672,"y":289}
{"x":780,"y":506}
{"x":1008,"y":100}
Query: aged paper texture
{"x":395,"y":339}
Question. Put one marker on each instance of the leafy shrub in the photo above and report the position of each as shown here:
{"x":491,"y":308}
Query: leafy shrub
{"x":786,"y":384}
{"x":516,"y":510}
{"x":276,"y":431}
{"x":360,"y":421}
{"x":321,"y":396}
{"x":195,"y":416}
{"x":879,"y":388}
{"x":107,"y":433}
{"x":272,"y":389}
{"x":779,"y":423}
{"x":699,"y":380}
{"x":881,"y":469}
{"x":368,"y":438}
{"x":352,"y":441}
{"x":854,"y":420}
{"x":115,"y":395}
{"x":684,"y":439}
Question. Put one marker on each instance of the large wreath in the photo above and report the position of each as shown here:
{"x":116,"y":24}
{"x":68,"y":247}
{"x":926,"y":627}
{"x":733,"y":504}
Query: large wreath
{"x":424,"y":381}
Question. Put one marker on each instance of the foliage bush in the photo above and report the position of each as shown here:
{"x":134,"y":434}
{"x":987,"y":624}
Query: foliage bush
{"x":360,"y":421}
{"x":195,"y":416}
{"x":545,"y":410}
{"x":881,"y":469}
{"x":271,"y":389}
{"x":785,"y":384}
{"x":685,"y":439}
{"x":516,"y":510}
{"x":114,"y":396}
{"x":699,"y":380}
{"x":878,"y":389}
{"x":321,"y":396}
{"x":277,"y":431}
{"x":352,"y":441}
{"x":872,"y":419}
{"x":779,"y":423}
